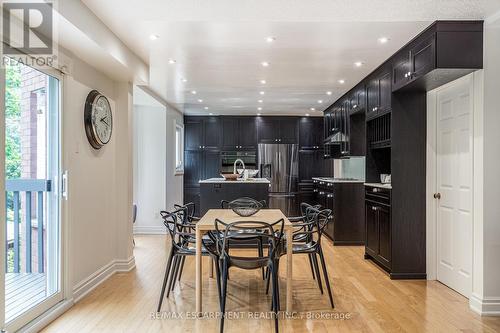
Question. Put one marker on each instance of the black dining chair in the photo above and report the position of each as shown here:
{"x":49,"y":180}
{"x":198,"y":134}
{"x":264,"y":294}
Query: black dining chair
{"x":228,"y":232}
{"x":183,"y":240}
{"x":304,"y":206}
{"x":251,"y":203}
{"x":306,"y":239}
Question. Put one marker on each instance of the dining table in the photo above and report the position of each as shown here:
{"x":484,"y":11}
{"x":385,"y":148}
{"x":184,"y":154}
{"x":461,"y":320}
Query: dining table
{"x":207,"y":223}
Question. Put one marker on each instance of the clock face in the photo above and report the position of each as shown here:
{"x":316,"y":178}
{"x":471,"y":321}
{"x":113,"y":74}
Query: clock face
{"x":102,"y":120}
{"x":98,"y":119}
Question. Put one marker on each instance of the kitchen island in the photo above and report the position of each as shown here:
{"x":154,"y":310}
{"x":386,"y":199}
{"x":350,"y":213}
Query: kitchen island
{"x":214,"y":190}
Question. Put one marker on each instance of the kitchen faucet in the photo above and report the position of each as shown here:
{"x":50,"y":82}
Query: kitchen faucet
{"x":242,"y":163}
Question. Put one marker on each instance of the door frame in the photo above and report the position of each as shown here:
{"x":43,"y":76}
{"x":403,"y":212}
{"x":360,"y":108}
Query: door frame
{"x":58,"y":302}
{"x":476,"y":82}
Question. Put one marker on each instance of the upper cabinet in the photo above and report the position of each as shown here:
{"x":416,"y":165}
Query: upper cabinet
{"x":444,"y":52}
{"x":378,"y":92}
{"x":239,"y":133}
{"x":310,"y":133}
{"x":357,"y":99}
{"x":277,"y":129}
{"x":202,"y":133}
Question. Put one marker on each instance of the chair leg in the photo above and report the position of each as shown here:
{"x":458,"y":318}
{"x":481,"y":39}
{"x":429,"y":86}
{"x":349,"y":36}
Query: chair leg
{"x":261,"y":254}
{"x":218,"y":277}
{"x":325,"y":275}
{"x":278,"y":307}
{"x":176,"y":272}
{"x":181,"y":268}
{"x":276,"y":296}
{"x":224,"y":293}
{"x":172,"y":275}
{"x":268,"y":278}
{"x":165,"y":278}
{"x":311,"y":265}
{"x":318,"y":276}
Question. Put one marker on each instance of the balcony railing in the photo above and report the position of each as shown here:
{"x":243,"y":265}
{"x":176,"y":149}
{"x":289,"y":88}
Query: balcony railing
{"x":25,"y":190}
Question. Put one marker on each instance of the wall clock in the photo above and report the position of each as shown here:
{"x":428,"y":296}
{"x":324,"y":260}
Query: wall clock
{"x":98,"y":119}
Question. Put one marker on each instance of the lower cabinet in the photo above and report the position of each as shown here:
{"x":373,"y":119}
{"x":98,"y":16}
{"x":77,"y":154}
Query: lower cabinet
{"x":378,"y":227}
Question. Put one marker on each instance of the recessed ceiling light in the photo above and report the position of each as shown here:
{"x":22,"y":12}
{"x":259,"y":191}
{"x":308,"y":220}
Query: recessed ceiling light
{"x":154,"y":37}
{"x":264,"y":63}
{"x":358,"y":64}
{"x":263,"y":81}
{"x":184,"y":80}
{"x":260,"y":101}
{"x":270,"y":39}
{"x":171,"y":61}
{"x":259,"y":108}
{"x":320,"y":101}
{"x":383,"y":40}
{"x":307,"y":114}
{"x":312,"y":109}
{"x":258,"y":114}
{"x":328,"y":93}
{"x":206,"y":107}
{"x":193,"y":92}
{"x":262,"y":92}
{"x":210,"y":114}
{"x":341,"y":81}
{"x":200,"y":100}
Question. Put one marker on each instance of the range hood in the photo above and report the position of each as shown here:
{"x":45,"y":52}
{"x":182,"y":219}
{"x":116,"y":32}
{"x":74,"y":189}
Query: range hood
{"x":337,"y":138}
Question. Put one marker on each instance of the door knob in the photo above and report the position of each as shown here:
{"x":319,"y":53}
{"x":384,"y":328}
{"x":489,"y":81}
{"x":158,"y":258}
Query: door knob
{"x":437,"y":196}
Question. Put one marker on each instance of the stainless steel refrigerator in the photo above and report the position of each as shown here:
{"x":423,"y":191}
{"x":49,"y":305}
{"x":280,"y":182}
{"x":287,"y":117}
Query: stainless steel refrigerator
{"x":280,"y":164}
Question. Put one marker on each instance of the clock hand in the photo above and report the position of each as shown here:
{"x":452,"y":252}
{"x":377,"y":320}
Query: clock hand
{"x":102,"y":119}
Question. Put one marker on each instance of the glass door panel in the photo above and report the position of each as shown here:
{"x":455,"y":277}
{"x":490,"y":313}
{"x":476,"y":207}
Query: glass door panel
{"x":32,"y":169}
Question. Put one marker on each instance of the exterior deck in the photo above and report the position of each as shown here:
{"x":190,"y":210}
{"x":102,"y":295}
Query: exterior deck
{"x":22,"y":291}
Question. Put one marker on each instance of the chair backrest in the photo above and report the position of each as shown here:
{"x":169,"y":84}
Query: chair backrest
{"x":270,"y":233}
{"x":189,"y":210}
{"x":312,"y":226}
{"x":243,"y":202}
{"x":304,"y":206}
{"x":181,"y":233}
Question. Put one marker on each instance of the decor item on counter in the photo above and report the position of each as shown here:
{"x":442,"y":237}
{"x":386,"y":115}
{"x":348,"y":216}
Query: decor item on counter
{"x":245,"y":206}
{"x":385,"y":178}
{"x":230,"y":176}
{"x":98,"y":119}
{"x":251,"y":172}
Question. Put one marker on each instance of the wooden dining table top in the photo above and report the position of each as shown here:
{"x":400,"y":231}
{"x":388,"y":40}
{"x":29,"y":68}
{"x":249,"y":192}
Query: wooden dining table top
{"x":207,"y":222}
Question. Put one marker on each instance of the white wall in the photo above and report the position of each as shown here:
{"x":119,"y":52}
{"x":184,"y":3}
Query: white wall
{"x":486,"y":287}
{"x":100,"y":182}
{"x":156,"y":187}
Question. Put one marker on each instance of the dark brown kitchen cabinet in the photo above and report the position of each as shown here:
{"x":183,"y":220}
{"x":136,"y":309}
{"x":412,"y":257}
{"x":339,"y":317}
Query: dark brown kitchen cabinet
{"x":379,"y":91}
{"x":310,"y":133}
{"x":202,"y":133}
{"x":378,"y":240}
{"x":312,"y":164}
{"x":357,"y":99}
{"x":444,"y":52}
{"x":192,"y":194}
{"x":277,"y":129}
{"x":199,"y":165}
{"x":239,"y":133}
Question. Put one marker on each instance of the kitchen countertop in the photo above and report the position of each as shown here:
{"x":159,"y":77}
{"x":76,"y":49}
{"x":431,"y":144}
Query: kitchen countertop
{"x":380,"y":185}
{"x":222,"y":180}
{"x":332,"y":180}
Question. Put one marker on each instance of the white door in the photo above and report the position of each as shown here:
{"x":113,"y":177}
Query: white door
{"x":454,"y":171}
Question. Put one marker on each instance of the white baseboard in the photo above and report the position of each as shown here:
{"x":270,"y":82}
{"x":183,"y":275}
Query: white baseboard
{"x":487,"y":306}
{"x":46,"y":318}
{"x":90,"y":283}
{"x":149,"y":230}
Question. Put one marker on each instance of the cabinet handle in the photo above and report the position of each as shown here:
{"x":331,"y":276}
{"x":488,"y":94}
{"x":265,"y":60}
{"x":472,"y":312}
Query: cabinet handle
{"x":200,"y":147}
{"x":321,"y":183}
{"x":354,"y":106}
{"x":329,"y":196}
{"x":374,"y":208}
{"x":329,"y":184}
{"x":203,"y":147}
{"x":375,"y":190}
{"x":406,"y":75}
{"x":375,"y":108}
{"x":437,"y":196}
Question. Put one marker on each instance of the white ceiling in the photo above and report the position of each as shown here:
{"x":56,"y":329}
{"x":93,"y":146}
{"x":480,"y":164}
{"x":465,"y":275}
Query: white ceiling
{"x":219,"y":45}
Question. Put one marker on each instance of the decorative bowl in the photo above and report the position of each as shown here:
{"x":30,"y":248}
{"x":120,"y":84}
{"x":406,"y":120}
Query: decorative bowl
{"x":230,"y":176}
{"x":245,"y":206}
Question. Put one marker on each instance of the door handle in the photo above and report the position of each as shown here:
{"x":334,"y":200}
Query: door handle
{"x":437,"y":196}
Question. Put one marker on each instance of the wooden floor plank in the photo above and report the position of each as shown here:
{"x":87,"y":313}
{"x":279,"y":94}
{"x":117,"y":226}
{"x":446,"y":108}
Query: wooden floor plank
{"x":127,"y":301}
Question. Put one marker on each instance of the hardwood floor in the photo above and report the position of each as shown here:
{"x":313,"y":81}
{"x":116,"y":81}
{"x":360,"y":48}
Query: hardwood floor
{"x":363,"y":292}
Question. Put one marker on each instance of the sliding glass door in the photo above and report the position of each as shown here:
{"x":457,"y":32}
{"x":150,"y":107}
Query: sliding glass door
{"x":33,"y":199}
